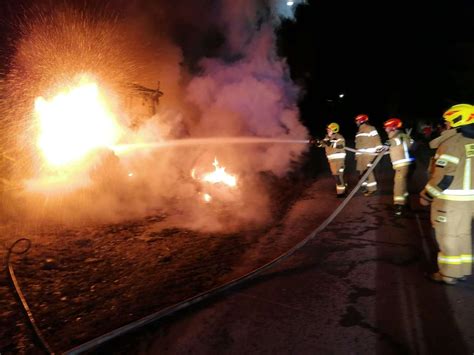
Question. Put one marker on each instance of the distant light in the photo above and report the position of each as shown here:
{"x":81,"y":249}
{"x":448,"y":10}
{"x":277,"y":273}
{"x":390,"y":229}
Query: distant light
{"x":130,"y":174}
{"x":341,"y":95}
{"x":290,"y":3}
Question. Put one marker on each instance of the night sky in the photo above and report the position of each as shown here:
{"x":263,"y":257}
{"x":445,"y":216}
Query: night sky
{"x":390,"y":58}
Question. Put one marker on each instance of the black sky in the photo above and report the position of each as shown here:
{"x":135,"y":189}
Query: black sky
{"x":391,"y":58}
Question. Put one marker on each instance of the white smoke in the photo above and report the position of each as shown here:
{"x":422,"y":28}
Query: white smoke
{"x":286,"y":8}
{"x":240,"y":88}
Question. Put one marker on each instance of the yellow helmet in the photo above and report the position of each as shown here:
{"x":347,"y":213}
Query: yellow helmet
{"x":333,"y":127}
{"x":460,"y":115}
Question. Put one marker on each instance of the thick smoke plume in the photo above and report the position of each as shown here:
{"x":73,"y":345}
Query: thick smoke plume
{"x":220,"y":75}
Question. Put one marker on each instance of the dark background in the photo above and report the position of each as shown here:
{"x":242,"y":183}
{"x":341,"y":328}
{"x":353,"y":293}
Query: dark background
{"x":389,"y":58}
{"x":411,"y":60}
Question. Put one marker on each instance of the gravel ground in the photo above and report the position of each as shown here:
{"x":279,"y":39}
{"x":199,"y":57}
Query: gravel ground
{"x":84,"y":281}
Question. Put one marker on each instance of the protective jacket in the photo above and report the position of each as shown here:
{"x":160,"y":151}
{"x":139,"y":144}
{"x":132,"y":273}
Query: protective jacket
{"x":367,"y":139}
{"x":400,"y":144}
{"x":452,"y":188}
{"x":334,"y":147}
{"x":452,"y":177}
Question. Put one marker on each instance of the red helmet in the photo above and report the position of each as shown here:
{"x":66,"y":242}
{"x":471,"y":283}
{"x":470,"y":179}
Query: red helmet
{"x":395,"y":123}
{"x":361,"y":118}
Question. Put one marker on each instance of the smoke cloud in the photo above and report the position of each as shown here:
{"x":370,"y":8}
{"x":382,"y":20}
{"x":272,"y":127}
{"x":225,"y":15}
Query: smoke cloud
{"x":221,"y":77}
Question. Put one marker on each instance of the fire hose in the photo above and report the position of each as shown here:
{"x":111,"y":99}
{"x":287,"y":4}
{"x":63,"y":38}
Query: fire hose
{"x":19,"y":294}
{"x":229,"y":285}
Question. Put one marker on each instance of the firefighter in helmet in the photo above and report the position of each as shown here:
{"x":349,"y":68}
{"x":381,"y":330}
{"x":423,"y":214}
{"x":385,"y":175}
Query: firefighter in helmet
{"x":399,"y":143}
{"x":450,"y":190}
{"x":334,"y":144}
{"x":367,"y":141}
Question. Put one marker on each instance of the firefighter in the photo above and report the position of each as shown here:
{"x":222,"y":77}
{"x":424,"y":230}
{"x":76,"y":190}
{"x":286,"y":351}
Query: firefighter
{"x":367,"y":141}
{"x":450,"y":190}
{"x":334,"y":144}
{"x":399,"y":144}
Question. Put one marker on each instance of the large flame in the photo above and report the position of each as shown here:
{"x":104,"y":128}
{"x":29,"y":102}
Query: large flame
{"x":75,"y":122}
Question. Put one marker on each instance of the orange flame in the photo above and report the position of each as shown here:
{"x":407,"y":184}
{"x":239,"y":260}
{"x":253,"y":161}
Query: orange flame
{"x":75,"y":122}
{"x":220,"y":176}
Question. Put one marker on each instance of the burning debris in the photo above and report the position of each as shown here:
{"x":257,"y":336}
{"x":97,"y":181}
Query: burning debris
{"x":219,"y":181}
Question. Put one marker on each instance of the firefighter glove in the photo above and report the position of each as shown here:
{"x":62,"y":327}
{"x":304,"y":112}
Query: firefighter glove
{"x":425,"y":200}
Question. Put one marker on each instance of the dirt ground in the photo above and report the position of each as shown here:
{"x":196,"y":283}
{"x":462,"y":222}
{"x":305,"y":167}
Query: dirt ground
{"x":85,"y":281}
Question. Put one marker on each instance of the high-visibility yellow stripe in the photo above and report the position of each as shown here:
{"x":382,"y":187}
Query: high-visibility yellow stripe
{"x":458,"y":192}
{"x":433,"y":191}
{"x":336,"y":156}
{"x":466,"y":258}
{"x":455,"y":198}
{"x":367,"y":150}
{"x":369,"y":134}
{"x":399,"y":198}
{"x":467,"y":175}
{"x":402,"y":162}
{"x":457,"y":195}
{"x":449,"y":260}
{"x":449,"y":158}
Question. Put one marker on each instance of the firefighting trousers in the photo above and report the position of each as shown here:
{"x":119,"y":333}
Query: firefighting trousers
{"x":364,"y":162}
{"x":337,"y":170}
{"x":400,"y":193}
{"x":452,"y":224}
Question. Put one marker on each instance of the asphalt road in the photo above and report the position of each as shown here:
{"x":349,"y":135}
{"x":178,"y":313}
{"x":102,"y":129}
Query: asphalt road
{"x":357,"y":288}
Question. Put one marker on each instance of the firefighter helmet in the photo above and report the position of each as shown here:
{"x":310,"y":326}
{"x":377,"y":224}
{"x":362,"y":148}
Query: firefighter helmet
{"x":395,"y":123}
{"x":361,"y":118}
{"x":333,"y":126}
{"x":460,"y":115}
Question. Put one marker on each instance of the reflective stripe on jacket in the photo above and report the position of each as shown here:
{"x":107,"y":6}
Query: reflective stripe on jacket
{"x":400,"y":144}
{"x":367,"y":139}
{"x":452,"y":177}
{"x":335,"y":149}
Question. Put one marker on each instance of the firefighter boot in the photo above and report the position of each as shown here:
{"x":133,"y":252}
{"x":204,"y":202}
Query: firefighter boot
{"x":398,"y":210}
{"x":344,"y":194}
{"x":438,"y":277}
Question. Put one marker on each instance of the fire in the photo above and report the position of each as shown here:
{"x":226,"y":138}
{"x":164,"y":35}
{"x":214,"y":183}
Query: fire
{"x":74,"y":122}
{"x":221,"y":183}
{"x":219,"y":175}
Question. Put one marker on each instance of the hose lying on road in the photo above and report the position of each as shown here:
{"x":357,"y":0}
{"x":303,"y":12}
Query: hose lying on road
{"x":215,"y":291}
{"x":19,"y":294}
